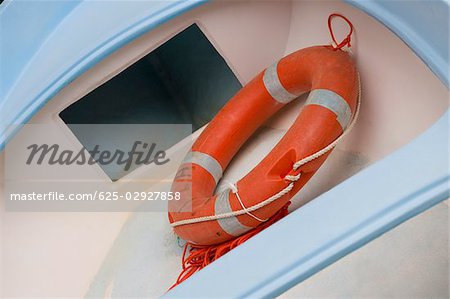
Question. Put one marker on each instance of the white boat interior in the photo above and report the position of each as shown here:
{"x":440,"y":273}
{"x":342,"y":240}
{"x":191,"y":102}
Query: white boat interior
{"x":103,"y":254}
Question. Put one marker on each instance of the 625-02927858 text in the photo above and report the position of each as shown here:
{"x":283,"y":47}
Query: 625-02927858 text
{"x":97,"y":195}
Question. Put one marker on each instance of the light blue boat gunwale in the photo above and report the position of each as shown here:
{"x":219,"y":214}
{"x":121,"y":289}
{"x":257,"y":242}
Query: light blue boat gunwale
{"x":344,"y":218}
{"x":38,"y":13}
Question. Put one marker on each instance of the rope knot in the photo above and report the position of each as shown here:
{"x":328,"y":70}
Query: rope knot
{"x":293,"y":178}
{"x":234,"y":189}
{"x":232,"y":186}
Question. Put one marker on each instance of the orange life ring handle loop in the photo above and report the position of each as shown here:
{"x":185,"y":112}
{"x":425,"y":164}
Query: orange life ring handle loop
{"x":346,"y":41}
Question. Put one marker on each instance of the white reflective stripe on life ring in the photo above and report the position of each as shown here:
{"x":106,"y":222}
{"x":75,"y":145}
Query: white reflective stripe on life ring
{"x":207,"y":162}
{"x":333,"y":102}
{"x":274,"y":86}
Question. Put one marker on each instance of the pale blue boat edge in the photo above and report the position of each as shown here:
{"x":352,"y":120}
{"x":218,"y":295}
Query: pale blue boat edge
{"x":45,"y":17}
{"x":344,"y":219}
{"x":423,"y":25}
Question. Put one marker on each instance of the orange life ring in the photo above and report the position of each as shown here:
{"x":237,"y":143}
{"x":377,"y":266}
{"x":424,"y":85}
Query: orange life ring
{"x":330,"y":76}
